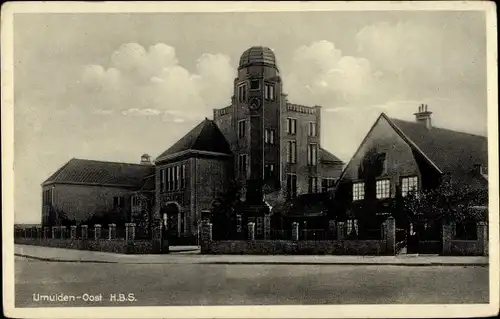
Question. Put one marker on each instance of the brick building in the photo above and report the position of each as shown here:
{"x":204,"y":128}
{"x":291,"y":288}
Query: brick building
{"x":397,"y":156}
{"x":270,"y":146}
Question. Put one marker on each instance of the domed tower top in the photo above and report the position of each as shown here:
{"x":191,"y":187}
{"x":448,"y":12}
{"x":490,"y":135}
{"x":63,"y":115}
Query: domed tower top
{"x":258,"y":55}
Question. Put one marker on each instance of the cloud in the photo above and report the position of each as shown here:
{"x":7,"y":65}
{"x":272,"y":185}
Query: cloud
{"x":151,"y":81}
{"x":321,"y":74}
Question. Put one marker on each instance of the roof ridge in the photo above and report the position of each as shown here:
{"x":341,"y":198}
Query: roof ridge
{"x":439,"y":128}
{"x":109,"y":162}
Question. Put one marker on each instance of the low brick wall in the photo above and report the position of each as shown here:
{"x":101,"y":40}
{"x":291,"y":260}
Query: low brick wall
{"x":466,"y":248}
{"x":113,"y":246}
{"x":430,"y":246}
{"x":288,"y":247}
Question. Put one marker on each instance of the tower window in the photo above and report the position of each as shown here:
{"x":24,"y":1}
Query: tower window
{"x":312,"y":129}
{"x":269,"y":92}
{"x":269,"y":136}
{"x":291,"y":150}
{"x":254,"y":85}
{"x":291,"y":126}
{"x":269,"y":170}
{"x":242,"y":164}
{"x":312,"y":154}
{"x":241,"y":128}
{"x":242,"y":93}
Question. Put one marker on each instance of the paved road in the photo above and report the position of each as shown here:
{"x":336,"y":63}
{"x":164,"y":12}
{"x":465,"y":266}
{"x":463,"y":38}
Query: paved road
{"x":199,"y":284}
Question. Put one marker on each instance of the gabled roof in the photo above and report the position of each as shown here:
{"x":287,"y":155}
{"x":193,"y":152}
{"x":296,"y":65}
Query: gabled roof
{"x":448,"y":150}
{"x":90,"y":172}
{"x":206,"y":136}
{"x":325,"y":156}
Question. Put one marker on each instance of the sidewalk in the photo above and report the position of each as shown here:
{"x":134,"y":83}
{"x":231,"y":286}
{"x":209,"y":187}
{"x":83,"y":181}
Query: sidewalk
{"x":71,"y":255}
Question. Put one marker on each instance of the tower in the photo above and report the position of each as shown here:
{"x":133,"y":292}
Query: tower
{"x":256,"y":109}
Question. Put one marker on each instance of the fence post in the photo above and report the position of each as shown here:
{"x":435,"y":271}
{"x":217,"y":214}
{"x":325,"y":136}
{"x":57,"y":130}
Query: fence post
{"x":112,"y":231}
{"x":267,"y":226}
{"x":63,"y":232}
{"x":482,"y":237}
{"x":156,"y":237}
{"x":54,"y":229}
{"x":130,"y":231}
{"x":85,"y":232}
{"x":447,"y":236}
{"x":295,"y":231}
{"x":97,"y":231}
{"x":206,"y":235}
{"x":340,"y":230}
{"x":73,"y":232}
{"x":46,"y":232}
{"x":38,"y":232}
{"x":251,"y":231}
{"x":390,"y":237}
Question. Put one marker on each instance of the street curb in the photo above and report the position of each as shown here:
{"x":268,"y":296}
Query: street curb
{"x":429,"y":264}
{"x":67,"y":260}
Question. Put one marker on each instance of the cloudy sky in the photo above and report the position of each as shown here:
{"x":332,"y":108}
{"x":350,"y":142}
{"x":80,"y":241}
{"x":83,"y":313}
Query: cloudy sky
{"x":115,"y":86}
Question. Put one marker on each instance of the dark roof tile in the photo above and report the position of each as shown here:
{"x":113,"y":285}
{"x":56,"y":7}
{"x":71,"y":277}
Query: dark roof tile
{"x":81,"y":171}
{"x":206,"y":136}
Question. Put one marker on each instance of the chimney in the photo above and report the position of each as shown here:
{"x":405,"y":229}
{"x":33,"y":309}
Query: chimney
{"x":146,"y":159}
{"x":423,"y":116}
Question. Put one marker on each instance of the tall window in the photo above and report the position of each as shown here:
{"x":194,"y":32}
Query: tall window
{"x":162,"y":180}
{"x":327,"y":184}
{"x":183,"y":176}
{"x":242,"y":164}
{"x":118,"y":201}
{"x":313,"y":184}
{"x":47,"y":197}
{"x":383,"y":189}
{"x":291,"y":150}
{"x":291,"y":126}
{"x":269,"y":170}
{"x":170,"y":179}
{"x":176,"y":177}
{"x":409,"y":184}
{"x":269,"y":136}
{"x":311,"y":131}
{"x":241,"y":128}
{"x":291,"y":185}
{"x":312,"y":154}
{"x":358,"y":191}
{"x":269,"y":92}
{"x":242,"y":93}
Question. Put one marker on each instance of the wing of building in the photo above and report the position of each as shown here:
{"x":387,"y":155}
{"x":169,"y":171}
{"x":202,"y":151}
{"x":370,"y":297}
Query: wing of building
{"x":265,"y":143}
{"x":398,"y":156}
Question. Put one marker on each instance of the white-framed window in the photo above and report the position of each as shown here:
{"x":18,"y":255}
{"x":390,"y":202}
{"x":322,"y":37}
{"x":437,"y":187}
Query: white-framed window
{"x":291,"y":185}
{"x":269,"y":92}
{"x":176,"y":177}
{"x":242,"y":93}
{"x":311,"y":129}
{"x":291,"y":126}
{"x":269,"y":136}
{"x":409,"y":184}
{"x":383,"y":188}
{"x":291,"y":152}
{"x":352,"y":225}
{"x":358,"y":191}
{"x":242,"y":128}
{"x":312,"y":154}
{"x":242,"y":164}
{"x":313,"y":184}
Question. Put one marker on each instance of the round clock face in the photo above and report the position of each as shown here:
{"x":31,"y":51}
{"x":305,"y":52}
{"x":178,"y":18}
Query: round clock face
{"x":254,"y":104}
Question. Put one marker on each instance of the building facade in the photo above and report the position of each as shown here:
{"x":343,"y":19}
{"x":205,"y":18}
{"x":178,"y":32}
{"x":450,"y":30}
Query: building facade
{"x":269,"y":146}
